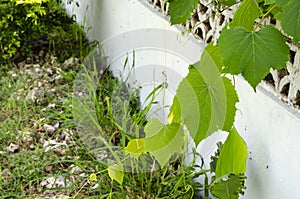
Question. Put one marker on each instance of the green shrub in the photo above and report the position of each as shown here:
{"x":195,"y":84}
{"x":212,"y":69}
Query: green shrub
{"x":29,"y":26}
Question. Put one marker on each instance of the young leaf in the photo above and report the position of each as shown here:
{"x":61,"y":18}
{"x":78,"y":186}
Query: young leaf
{"x":246,"y":14}
{"x":116,"y":172}
{"x":204,"y":101}
{"x":233,"y":156}
{"x":253,"y":53}
{"x":163,"y":141}
{"x":92,"y":178}
{"x":228,"y":186}
{"x":290,"y":19}
{"x":135,"y":147}
{"x":180,"y":10}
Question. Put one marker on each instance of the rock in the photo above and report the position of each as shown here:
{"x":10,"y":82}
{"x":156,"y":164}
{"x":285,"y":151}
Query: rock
{"x":37,"y":68}
{"x":95,"y":186}
{"x":65,"y":136}
{"x":52,"y":144}
{"x":49,"y":71}
{"x":13,"y":148}
{"x":12,"y":74}
{"x":27,"y":137}
{"x":70,"y":62}
{"x":49,"y":129}
{"x":75,"y":169}
{"x":53,"y":197}
{"x":51,"y":105}
{"x":56,"y":125}
{"x":31,"y":147}
{"x":55,"y":182}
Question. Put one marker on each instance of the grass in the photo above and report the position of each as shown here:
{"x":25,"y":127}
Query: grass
{"x":23,"y":115}
{"x":37,"y":95}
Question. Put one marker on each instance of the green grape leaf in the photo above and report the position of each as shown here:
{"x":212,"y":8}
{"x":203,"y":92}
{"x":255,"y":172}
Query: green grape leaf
{"x":204,"y":101}
{"x":116,"y":172}
{"x":228,"y":2}
{"x":175,"y":112}
{"x":180,"y":10}
{"x":252,"y":54}
{"x":267,"y":2}
{"x":281,"y":3}
{"x":290,"y":19}
{"x":246,"y":14}
{"x":233,"y":155}
{"x":135,"y":147}
{"x":231,"y":94}
{"x":274,"y":10}
{"x":163,"y":141}
{"x":231,"y":100}
{"x":213,"y":51}
{"x":229,"y":186}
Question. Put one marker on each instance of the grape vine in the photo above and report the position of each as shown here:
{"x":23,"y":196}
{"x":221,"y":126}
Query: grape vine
{"x":205,"y":99}
{"x":245,"y":47}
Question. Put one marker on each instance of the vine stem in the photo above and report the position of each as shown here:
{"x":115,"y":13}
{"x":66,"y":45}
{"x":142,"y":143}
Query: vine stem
{"x":263,"y":16}
{"x":164,"y":73}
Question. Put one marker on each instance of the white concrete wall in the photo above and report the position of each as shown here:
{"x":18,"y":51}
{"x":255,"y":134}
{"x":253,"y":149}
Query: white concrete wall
{"x":270,"y":128}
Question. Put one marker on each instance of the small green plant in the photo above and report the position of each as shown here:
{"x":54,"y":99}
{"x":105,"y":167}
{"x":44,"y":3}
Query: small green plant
{"x":19,"y":20}
{"x":29,"y":27}
{"x":110,"y":121}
